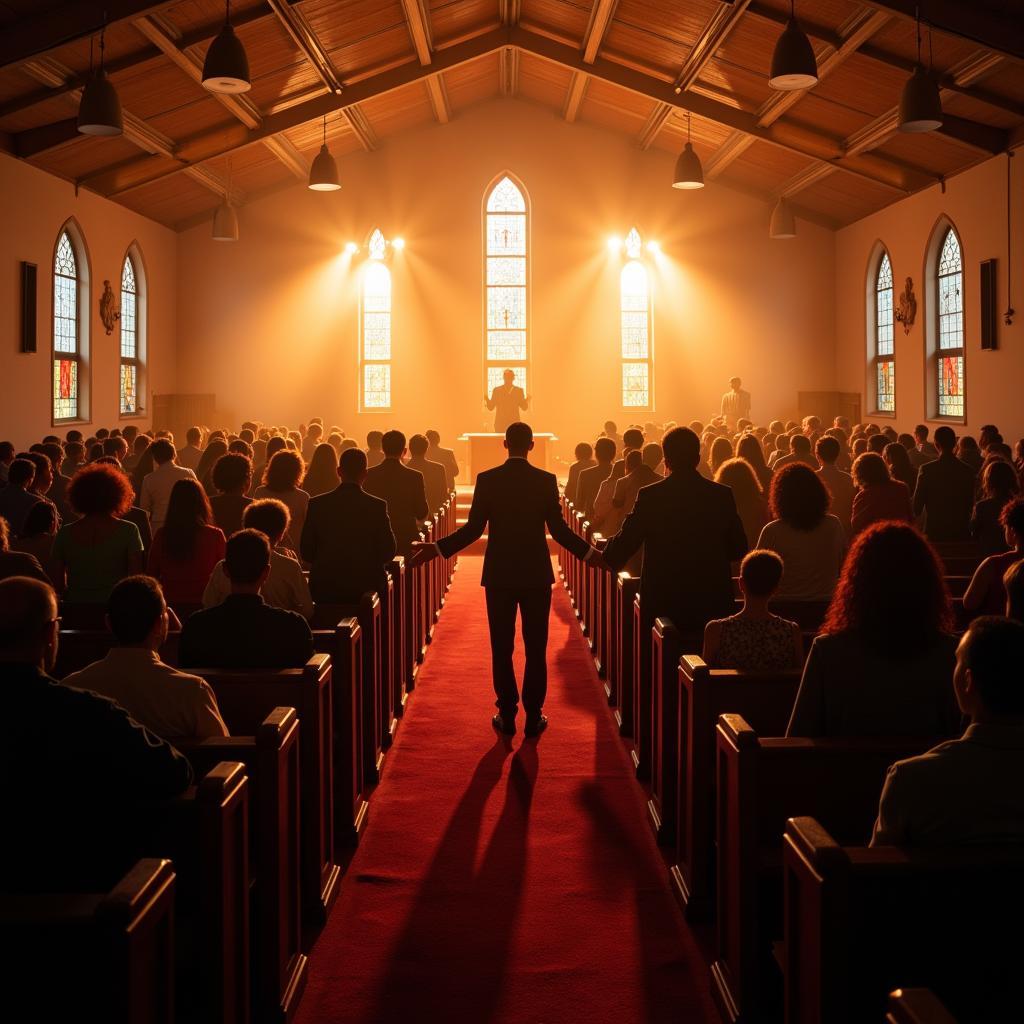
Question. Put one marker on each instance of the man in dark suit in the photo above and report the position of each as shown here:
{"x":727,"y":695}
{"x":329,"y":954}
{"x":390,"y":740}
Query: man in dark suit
{"x":506,"y":400}
{"x":945,"y":492}
{"x":515,"y":501}
{"x":691,"y":533}
{"x":244,"y":632}
{"x":590,"y":480}
{"x":402,"y":488}
{"x":432,"y":472}
{"x":443,"y":455}
{"x":347,"y":538}
{"x":584,"y":460}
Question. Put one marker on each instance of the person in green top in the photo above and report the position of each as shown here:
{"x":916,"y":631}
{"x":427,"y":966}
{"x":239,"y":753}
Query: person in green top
{"x":98,"y":550}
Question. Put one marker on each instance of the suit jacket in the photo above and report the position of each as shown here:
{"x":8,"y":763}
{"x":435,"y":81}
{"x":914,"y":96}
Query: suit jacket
{"x":434,"y":482}
{"x":515,"y":501}
{"x":589,"y":483}
{"x":506,"y":405}
{"x":244,"y":632}
{"x":404,"y":491}
{"x":574,"y":477}
{"x":447,"y":459}
{"x":347,"y":541}
{"x":945,"y":493}
{"x":691,"y":534}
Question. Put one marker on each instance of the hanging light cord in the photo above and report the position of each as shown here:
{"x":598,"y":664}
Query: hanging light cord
{"x":689,"y":116}
{"x":1008,"y":315}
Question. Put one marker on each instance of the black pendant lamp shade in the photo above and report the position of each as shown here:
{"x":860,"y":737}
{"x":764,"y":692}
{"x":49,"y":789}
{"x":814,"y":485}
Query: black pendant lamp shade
{"x":99,"y":109}
{"x":226,"y":68}
{"x":793,"y":64}
{"x":920,"y":102}
{"x":689,"y":174}
{"x":323,"y":174}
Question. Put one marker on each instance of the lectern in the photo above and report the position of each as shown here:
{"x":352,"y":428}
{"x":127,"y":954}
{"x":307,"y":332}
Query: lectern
{"x":487,"y":451}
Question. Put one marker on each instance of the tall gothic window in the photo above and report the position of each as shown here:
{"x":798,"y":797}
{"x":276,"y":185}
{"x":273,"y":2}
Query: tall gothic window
{"x":635,"y":327}
{"x":130,"y":352}
{"x":949,"y":307}
{"x":884,"y":349}
{"x":506,"y":233}
{"x":375,"y":323}
{"x":67,"y":306}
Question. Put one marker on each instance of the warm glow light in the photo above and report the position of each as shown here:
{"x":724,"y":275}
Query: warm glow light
{"x":615,"y":244}
{"x":351,"y":248}
{"x":653,"y":247}
{"x":398,"y":243}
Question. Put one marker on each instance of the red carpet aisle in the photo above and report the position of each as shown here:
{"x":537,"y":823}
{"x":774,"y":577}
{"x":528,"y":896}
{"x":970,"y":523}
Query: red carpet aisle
{"x":505,"y":882}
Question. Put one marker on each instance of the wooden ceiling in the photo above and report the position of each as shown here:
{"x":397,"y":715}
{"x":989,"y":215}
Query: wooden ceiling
{"x":378,"y":67}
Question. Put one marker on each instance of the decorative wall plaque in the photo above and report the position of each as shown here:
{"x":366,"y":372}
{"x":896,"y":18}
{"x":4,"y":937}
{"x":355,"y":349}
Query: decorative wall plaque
{"x":906,"y":307}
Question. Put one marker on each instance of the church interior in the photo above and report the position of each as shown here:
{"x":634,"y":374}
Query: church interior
{"x":264,"y":246}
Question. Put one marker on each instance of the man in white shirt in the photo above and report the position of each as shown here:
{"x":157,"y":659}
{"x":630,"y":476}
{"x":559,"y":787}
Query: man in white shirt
{"x":735,"y":403}
{"x":174,"y":705}
{"x":286,"y":586}
{"x":506,"y":400}
{"x":967,"y":791}
{"x":190,"y":455}
{"x":157,"y":486}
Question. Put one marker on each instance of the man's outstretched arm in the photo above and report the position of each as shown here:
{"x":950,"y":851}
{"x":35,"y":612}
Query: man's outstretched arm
{"x":461,"y":538}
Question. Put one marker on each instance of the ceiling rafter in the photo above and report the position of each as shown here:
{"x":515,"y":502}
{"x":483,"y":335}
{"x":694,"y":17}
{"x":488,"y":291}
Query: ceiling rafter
{"x":659,"y":117}
{"x":439,"y":102}
{"x":302,"y":34}
{"x":601,"y":15}
{"x":509,"y":11}
{"x":222,"y":140}
{"x":417,"y":18}
{"x":716,"y":31}
{"x":360,"y":127}
{"x":574,"y":97}
{"x":805,"y":178}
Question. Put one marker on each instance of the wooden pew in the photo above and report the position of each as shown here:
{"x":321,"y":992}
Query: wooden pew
{"x":246,"y":697}
{"x":916,"y":1006}
{"x":344,"y":644}
{"x":642,"y":713}
{"x":761,"y":783}
{"x":92,"y":956}
{"x":666,"y":650}
{"x":627,"y":589}
{"x":600,"y":581}
{"x":400,"y":667}
{"x":765,"y":701}
{"x":858,"y":919}
{"x":271,"y":759}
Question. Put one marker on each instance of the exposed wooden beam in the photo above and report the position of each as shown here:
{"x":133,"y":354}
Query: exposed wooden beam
{"x":973,"y":21}
{"x":812,"y":173}
{"x":32,"y":36}
{"x":659,"y":117}
{"x":296,"y":25}
{"x":716,"y":31}
{"x":601,"y":15}
{"x":360,"y":127}
{"x":509,"y":11}
{"x":282,"y":147}
{"x":222,"y":140}
{"x":509,"y":71}
{"x":770,"y":199}
{"x":574,"y":98}
{"x":417,"y":18}
{"x":734,"y":146}
{"x":791,"y":137}
{"x":439,"y":99}
{"x":209,"y":178}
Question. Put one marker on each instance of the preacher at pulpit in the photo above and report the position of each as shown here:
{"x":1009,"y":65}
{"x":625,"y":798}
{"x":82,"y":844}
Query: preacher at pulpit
{"x":506,"y":400}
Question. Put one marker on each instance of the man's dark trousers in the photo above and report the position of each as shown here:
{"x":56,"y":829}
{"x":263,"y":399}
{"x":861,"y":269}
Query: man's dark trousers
{"x":534,"y":605}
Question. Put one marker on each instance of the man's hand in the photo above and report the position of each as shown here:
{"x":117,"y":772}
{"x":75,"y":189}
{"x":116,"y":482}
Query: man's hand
{"x":422,"y":552}
{"x":595,"y":559}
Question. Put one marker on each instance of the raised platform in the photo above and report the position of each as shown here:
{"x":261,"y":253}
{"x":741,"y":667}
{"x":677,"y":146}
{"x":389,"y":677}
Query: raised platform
{"x":464,"y":498}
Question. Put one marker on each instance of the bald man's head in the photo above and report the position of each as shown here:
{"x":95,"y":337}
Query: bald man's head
{"x":28,"y":622}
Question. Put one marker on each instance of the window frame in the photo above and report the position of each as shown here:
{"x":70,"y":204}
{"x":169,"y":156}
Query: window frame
{"x":524,"y":364}
{"x":133,"y":254}
{"x":879,"y":254}
{"x":380,"y":261}
{"x":80,"y":356}
{"x":933,"y":351}
{"x":639,"y":261}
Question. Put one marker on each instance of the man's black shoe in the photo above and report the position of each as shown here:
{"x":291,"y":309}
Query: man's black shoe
{"x":535,"y":726}
{"x":507,"y":727}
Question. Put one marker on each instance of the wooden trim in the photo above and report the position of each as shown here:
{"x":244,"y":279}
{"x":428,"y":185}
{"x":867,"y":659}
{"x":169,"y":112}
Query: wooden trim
{"x":716,"y":31}
{"x":417,"y":19}
{"x":574,"y":98}
{"x":601,"y":15}
{"x":302,"y":34}
{"x":659,"y":117}
{"x":438,"y":94}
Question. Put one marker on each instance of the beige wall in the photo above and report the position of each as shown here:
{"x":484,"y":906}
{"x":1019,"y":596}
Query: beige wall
{"x":33,"y":207}
{"x":271,"y":324}
{"x":975,"y":202}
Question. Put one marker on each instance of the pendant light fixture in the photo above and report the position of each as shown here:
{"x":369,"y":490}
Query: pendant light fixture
{"x":920,"y":103}
{"x":99,"y":109}
{"x":688,"y":174}
{"x":323,"y":175}
{"x":226,"y":68}
{"x":793,"y":64}
{"x":225,"y":220}
{"x":782,"y":223}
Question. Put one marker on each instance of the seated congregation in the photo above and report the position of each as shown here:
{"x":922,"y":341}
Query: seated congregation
{"x":810,"y":640}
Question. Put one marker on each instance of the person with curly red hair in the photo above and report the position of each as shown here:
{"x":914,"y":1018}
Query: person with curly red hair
{"x":96,"y":551}
{"x":883,"y":661}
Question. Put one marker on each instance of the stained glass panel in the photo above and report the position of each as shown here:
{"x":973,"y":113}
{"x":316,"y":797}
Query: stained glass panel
{"x":64,"y":262}
{"x":129,"y":336}
{"x":506,"y":309}
{"x":505,"y":197}
{"x":635,"y":385}
{"x":883,"y":309}
{"x":378,"y":245}
{"x":951,"y":386}
{"x":886,"y":386}
{"x":377,"y":386}
{"x":634,"y":244}
{"x":506,"y":346}
{"x":65,"y":389}
{"x":506,"y":270}
{"x":129,"y":399}
{"x":506,"y":235}
{"x":496,"y":374}
{"x":65,"y":313}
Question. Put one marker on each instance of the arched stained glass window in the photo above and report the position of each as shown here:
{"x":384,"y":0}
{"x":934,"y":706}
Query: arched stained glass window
{"x":129,"y":373}
{"x":375,"y":323}
{"x":66,"y":330}
{"x":506,"y":244}
{"x":635,"y":327}
{"x":885,"y":357}
{"x":949,"y":306}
